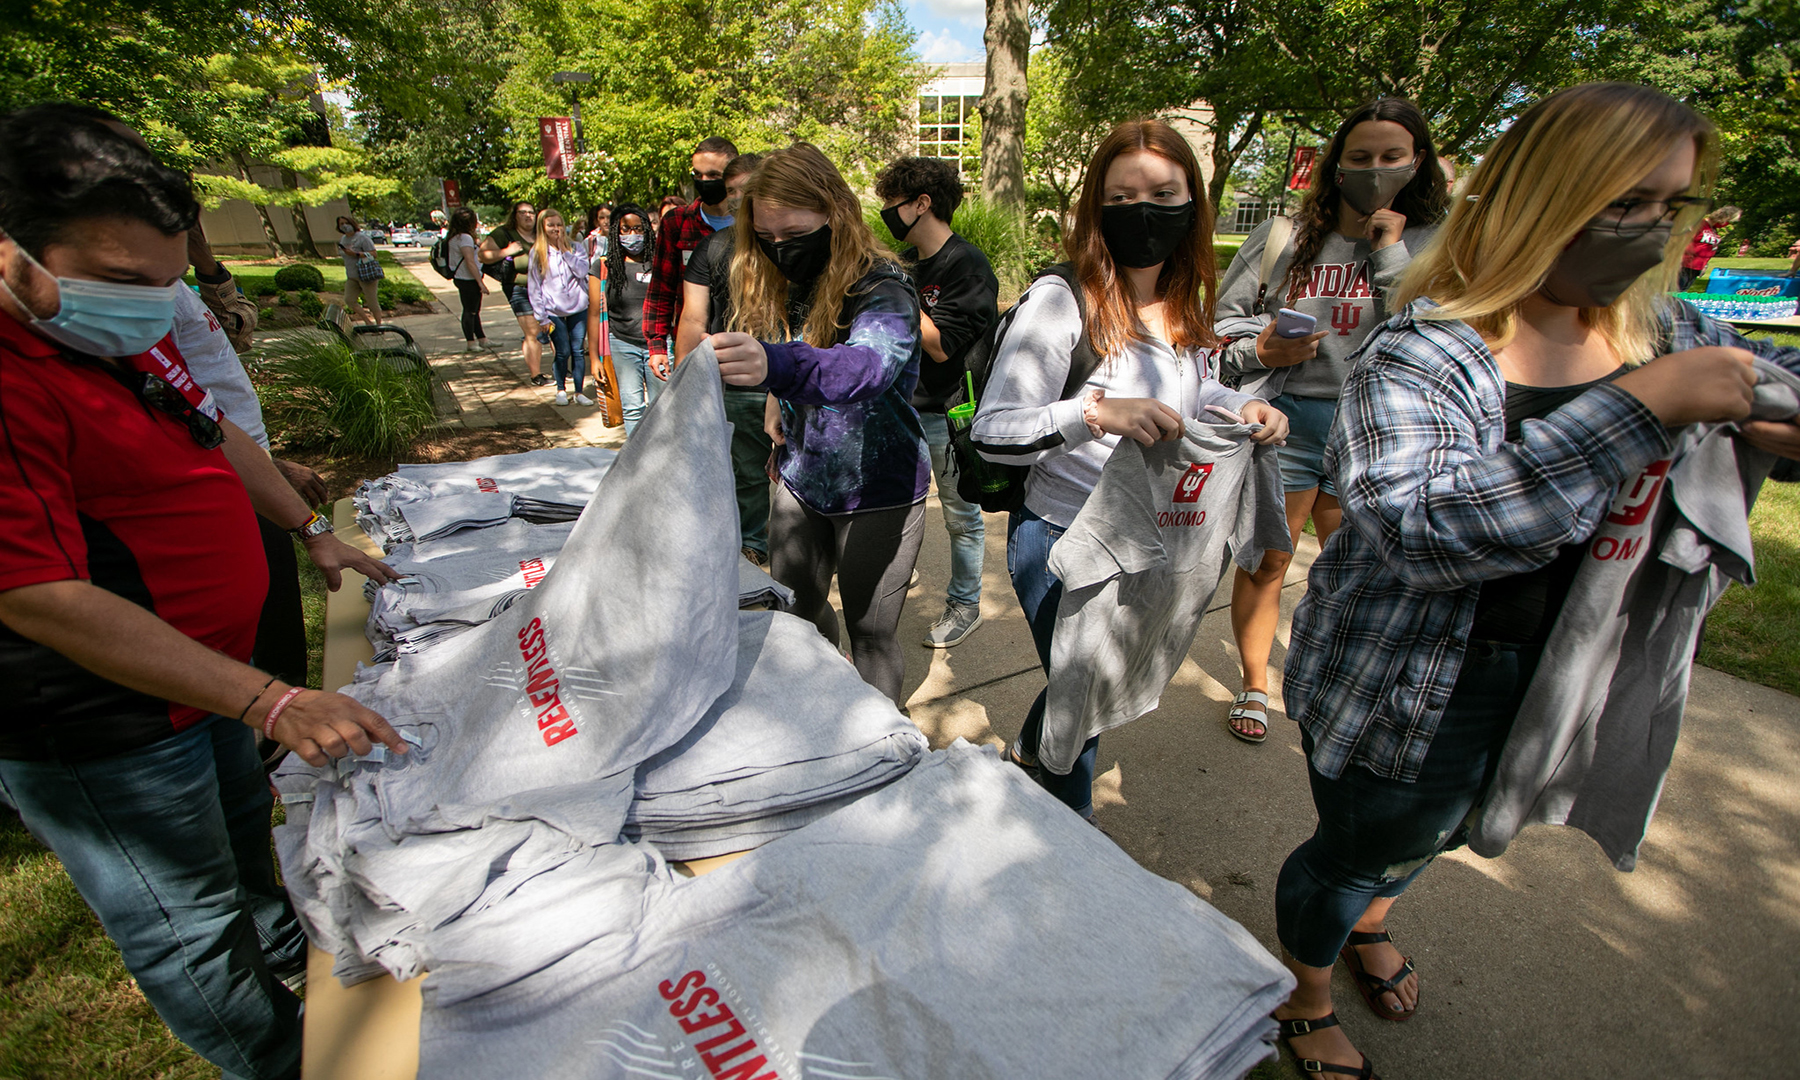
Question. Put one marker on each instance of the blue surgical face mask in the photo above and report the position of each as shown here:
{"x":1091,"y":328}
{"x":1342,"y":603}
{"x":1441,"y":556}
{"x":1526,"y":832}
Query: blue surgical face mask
{"x":103,"y":318}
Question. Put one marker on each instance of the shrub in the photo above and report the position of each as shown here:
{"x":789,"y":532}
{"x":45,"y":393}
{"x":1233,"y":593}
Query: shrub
{"x":310,"y":304}
{"x":317,"y":390}
{"x":288,"y":299}
{"x":1005,"y":236}
{"x":265,"y":288}
{"x":300,"y":276}
{"x":265,"y":314}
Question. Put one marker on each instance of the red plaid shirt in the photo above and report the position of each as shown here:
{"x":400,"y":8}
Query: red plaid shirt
{"x":681,"y":232}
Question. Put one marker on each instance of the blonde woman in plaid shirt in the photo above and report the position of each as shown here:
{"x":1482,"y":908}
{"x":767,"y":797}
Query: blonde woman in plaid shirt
{"x":1531,"y":370}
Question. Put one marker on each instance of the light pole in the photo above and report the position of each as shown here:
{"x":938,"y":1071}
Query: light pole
{"x":573,"y":78}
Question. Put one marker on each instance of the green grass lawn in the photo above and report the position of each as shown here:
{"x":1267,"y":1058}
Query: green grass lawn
{"x":255,"y":276}
{"x":1755,"y":633}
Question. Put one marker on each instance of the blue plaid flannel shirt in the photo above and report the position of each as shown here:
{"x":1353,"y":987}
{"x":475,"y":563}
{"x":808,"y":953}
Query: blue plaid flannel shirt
{"x":1436,"y":502}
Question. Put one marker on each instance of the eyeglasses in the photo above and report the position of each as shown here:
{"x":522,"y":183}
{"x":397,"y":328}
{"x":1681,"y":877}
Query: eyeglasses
{"x":1635,"y":217}
{"x":156,"y":392}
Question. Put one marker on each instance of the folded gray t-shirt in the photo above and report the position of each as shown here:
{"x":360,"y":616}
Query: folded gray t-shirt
{"x":958,"y":922}
{"x":1139,"y":565}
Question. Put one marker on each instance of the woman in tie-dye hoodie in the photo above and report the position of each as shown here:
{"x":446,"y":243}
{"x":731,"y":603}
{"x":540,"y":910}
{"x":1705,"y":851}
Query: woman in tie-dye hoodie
{"x":825,"y":320}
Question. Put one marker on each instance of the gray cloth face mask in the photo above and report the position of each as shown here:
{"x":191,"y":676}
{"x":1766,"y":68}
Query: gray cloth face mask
{"x":1369,"y":190}
{"x":1599,"y":264}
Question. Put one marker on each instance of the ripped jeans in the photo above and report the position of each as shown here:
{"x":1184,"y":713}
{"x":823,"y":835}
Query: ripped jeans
{"x":1376,"y":835}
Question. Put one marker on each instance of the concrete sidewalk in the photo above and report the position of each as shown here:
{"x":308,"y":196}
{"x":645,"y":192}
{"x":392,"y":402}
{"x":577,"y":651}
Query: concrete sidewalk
{"x":493,"y":389}
{"x":1544,"y":964}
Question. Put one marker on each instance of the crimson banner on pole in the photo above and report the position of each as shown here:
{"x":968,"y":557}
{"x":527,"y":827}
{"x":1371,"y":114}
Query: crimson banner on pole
{"x":1300,"y":170}
{"x":452,"y":195}
{"x":557,"y":136}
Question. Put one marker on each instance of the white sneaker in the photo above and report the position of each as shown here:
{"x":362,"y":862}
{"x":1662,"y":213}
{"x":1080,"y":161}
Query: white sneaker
{"x":583,"y":399}
{"x":956,"y":623}
{"x":562,"y":398}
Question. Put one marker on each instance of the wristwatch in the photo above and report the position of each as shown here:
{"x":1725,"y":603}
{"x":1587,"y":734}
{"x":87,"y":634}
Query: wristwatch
{"x":315,"y":526}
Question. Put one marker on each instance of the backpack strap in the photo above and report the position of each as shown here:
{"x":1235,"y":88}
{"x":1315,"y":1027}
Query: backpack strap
{"x":1084,"y":361}
{"x":1281,"y":228}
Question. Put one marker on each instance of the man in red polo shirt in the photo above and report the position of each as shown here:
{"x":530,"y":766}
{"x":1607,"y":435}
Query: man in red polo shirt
{"x":131,"y":579}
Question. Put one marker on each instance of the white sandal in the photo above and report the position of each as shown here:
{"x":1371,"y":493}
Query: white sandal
{"x":1238,"y":712}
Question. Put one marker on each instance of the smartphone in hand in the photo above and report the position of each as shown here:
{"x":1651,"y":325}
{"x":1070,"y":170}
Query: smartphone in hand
{"x":1293,"y":324}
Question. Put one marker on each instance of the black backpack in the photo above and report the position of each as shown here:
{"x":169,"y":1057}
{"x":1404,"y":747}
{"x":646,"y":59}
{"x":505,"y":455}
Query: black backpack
{"x":440,"y":258}
{"x":995,"y":487}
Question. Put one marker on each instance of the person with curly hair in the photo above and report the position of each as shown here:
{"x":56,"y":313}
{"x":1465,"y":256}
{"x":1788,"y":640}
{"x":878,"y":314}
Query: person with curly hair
{"x":1377,"y":195}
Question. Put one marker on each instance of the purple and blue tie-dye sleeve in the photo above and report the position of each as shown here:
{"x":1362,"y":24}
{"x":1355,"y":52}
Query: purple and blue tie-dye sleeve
{"x":884,"y":335}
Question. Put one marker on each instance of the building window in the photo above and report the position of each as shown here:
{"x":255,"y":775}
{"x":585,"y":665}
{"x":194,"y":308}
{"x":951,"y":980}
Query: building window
{"x":1251,"y":211}
{"x":944,"y":124}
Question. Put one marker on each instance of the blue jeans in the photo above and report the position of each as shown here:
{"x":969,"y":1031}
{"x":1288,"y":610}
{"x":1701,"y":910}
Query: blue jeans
{"x":568,"y":333}
{"x":169,"y":844}
{"x":638,"y":385}
{"x":1376,"y":835}
{"x":1028,"y":542}
{"x":962,"y":520}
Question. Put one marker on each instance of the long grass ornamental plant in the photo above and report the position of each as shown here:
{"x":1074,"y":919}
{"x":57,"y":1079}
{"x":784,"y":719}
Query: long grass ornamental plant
{"x":318,"y":391}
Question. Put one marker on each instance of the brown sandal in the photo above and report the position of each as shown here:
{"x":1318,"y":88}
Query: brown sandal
{"x":1371,"y":985}
{"x":1291,"y":1029}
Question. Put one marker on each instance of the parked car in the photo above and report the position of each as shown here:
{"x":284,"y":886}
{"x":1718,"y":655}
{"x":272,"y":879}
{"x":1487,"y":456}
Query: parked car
{"x":378,"y":233}
{"x":407,"y":236}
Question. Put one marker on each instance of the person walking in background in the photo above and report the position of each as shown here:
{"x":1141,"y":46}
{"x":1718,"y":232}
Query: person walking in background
{"x":958,"y":300}
{"x":362,"y":272}
{"x":678,"y":233}
{"x":1705,"y":244}
{"x":1376,"y":197}
{"x":706,"y":309}
{"x":826,"y":322}
{"x":599,"y":226}
{"x":471,"y":286}
{"x":556,"y":283}
{"x":1530,"y":381}
{"x":502,"y":249}
{"x":1141,"y":249}
{"x":617,"y":282}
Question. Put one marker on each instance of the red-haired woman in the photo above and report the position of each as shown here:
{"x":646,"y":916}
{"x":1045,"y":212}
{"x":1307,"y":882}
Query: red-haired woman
{"x":1142,"y":251}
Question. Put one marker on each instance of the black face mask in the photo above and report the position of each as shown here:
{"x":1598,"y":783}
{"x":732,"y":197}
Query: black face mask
{"x":804,"y":257}
{"x":891,"y":218}
{"x":1142,"y":234}
{"x":711,"y":192}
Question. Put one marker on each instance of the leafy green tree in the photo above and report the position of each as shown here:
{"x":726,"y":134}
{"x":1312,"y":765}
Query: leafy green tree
{"x":1739,"y":63}
{"x":839,"y":73}
{"x":1060,"y":136}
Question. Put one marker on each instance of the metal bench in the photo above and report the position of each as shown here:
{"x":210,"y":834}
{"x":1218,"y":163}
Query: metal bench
{"x":405,"y":355}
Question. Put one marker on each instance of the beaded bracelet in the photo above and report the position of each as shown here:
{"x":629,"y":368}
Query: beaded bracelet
{"x":275,"y":710}
{"x":258,"y":697}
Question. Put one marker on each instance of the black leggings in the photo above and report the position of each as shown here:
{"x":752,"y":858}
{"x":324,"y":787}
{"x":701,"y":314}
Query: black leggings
{"x":872,"y":553}
{"x":470,"y":291}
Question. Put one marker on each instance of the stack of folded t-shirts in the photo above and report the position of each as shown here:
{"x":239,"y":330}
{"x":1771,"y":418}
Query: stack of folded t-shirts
{"x":541,"y":486}
{"x":756,"y":589}
{"x":958,"y":922}
{"x":529,"y":728}
{"x":798,"y":735}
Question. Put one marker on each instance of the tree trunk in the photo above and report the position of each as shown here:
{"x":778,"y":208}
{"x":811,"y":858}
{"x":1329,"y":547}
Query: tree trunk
{"x":1003,"y":100}
{"x":268,"y":224}
{"x":1225,"y":154}
{"x":302,"y":228}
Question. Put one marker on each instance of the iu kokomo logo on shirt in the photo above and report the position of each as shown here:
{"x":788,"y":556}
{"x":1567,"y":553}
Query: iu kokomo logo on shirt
{"x":1187,"y":490}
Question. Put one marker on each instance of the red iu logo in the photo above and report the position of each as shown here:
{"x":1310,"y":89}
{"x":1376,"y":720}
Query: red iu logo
{"x":1192,"y":482}
{"x":1345,"y":318}
{"x":1634,"y":502}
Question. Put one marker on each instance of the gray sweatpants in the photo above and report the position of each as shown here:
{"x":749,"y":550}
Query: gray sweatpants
{"x":872,"y":553}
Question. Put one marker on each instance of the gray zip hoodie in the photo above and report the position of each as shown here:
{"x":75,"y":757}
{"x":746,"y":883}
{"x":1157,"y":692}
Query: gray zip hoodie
{"x":1344,"y":294}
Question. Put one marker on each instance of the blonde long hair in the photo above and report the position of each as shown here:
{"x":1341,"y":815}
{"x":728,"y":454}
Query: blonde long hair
{"x":1545,"y":178}
{"x":800,"y":178}
{"x":540,"y":248}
